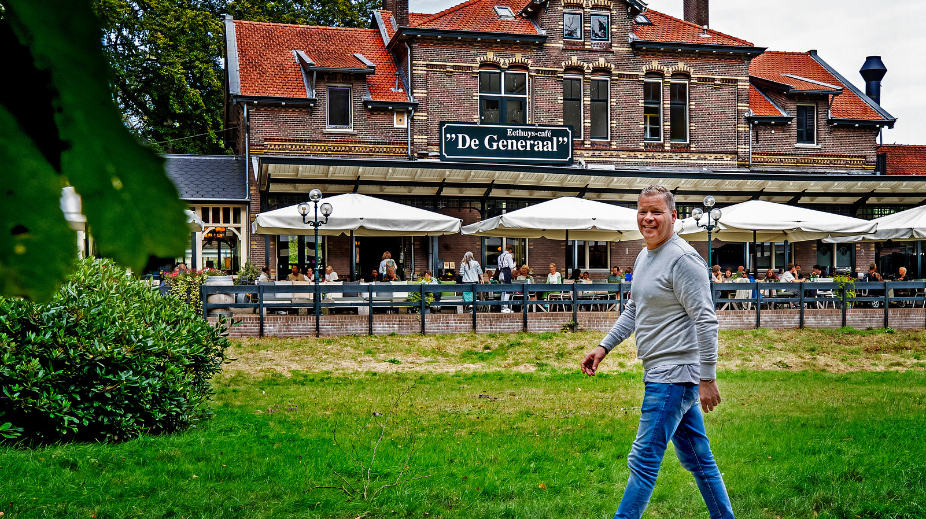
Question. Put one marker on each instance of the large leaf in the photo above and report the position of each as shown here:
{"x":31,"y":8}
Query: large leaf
{"x":132,"y":207}
{"x":37,"y":248}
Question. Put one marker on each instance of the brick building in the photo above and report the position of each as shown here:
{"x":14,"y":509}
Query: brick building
{"x":649,"y":99}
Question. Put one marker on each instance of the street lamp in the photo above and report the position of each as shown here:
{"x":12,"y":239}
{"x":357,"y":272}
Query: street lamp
{"x":713,"y":218}
{"x":315,"y":197}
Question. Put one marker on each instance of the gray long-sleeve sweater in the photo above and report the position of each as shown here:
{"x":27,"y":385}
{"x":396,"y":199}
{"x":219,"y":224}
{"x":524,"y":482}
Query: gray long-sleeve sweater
{"x":671,"y":310}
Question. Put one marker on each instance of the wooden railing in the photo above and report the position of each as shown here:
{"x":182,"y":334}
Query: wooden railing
{"x":365,"y":298}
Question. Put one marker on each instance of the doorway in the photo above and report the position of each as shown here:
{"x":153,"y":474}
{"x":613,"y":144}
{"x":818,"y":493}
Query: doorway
{"x":371,"y":251}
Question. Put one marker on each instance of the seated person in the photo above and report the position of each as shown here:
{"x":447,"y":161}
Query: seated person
{"x":873,"y":275}
{"x":489,"y":277}
{"x":628,"y":274}
{"x":308,"y":274}
{"x":615,"y":276}
{"x":524,"y":275}
{"x":428,"y":279}
{"x":554,"y":277}
{"x":576,"y":275}
{"x":585,"y":278}
{"x":902,"y":292}
{"x":389,"y":275}
{"x":374,"y":276}
{"x":330,"y":274}
{"x":295,"y":275}
{"x":264,"y":275}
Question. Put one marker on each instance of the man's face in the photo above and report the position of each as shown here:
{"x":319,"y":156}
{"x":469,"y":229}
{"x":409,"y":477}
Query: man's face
{"x":654,"y":220}
{"x":295,"y":269}
{"x":741,"y":269}
{"x":615,"y":271}
{"x":817,"y":272}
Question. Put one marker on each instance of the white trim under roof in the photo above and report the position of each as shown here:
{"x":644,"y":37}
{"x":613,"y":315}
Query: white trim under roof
{"x":288,"y":174}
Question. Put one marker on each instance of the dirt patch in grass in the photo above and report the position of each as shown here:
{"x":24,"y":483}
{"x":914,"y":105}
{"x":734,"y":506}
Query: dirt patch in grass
{"x":833,"y":351}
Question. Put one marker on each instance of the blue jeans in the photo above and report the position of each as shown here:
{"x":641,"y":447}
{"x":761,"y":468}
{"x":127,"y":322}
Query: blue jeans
{"x":672,"y":411}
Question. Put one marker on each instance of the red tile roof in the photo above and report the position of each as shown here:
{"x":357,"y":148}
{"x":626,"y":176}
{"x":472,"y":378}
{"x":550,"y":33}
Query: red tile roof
{"x":772,"y":65}
{"x":267,"y":66}
{"x":669,"y":29}
{"x":761,"y":105}
{"x":904,"y":159}
{"x":476,"y":16}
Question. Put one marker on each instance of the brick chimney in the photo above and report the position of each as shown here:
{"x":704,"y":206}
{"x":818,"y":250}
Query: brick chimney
{"x":696,"y":12}
{"x":400,"y":12}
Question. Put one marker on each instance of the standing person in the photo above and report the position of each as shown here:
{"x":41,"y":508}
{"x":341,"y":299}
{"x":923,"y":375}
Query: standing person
{"x":676,"y":335}
{"x":470,"y":272}
{"x":386,"y":264}
{"x":505,"y":265}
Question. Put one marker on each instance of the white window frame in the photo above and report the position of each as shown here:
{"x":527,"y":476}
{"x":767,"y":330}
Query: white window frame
{"x":503,"y":96}
{"x":577,"y":133}
{"x":240,"y":229}
{"x":661,"y":125}
{"x":581,"y":24}
{"x":607,"y":111}
{"x":687,"y":110}
{"x":585,"y":266}
{"x":591,"y":33}
{"x":350,"y":106}
{"x":815,"y":142}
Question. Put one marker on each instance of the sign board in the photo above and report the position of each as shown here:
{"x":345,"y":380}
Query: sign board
{"x":467,"y":142}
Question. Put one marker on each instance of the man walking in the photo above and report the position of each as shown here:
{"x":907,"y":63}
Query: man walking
{"x":505,"y":264}
{"x":676,"y":334}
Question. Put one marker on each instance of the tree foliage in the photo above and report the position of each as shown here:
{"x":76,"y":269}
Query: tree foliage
{"x":167,"y":75}
{"x":167,"y":61}
{"x":58,"y":126}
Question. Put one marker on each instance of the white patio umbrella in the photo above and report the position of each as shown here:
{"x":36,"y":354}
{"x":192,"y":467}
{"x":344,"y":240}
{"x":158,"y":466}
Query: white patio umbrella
{"x":760,"y":221}
{"x":363,"y":215}
{"x":564,"y":218}
{"x":909,"y":225}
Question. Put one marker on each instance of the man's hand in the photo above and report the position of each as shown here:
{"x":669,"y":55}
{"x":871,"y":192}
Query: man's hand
{"x":709,"y":395}
{"x":590,"y":362}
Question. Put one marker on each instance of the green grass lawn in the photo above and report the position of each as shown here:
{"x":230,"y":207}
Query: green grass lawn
{"x":483,"y":436}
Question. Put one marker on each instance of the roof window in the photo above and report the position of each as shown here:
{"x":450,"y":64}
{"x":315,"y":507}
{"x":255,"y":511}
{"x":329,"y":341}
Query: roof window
{"x":641,"y":19}
{"x":504,"y":12}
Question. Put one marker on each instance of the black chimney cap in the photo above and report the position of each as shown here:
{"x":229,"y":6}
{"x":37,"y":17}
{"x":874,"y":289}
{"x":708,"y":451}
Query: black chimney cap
{"x":873,"y":69}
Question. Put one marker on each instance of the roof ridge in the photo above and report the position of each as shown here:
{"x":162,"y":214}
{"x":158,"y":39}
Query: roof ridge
{"x":327,"y":27}
{"x":447,"y":11}
{"x":696,"y":26}
{"x":795,"y":53}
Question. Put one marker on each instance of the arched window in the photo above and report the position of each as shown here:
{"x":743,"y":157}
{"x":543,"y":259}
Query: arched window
{"x":502,"y":97}
{"x":678,"y":108}
{"x":652,"y":108}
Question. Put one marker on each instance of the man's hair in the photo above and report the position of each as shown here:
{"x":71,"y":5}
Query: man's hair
{"x":509,"y":247}
{"x":872,"y":267}
{"x":659,"y":190}
{"x":790,"y":266}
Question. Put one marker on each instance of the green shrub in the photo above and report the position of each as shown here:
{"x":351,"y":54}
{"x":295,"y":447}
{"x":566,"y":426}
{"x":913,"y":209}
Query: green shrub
{"x":107,"y":359}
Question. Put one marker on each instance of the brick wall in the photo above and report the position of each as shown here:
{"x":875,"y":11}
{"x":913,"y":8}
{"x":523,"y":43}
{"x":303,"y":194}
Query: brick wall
{"x":407,"y":324}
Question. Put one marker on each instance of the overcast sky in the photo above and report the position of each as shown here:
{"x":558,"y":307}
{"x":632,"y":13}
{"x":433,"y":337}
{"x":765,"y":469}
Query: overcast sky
{"x":844,"y":32}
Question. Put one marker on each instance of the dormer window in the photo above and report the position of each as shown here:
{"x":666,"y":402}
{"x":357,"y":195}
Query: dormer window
{"x":339,"y":113}
{"x":504,"y":12}
{"x":641,"y":19}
